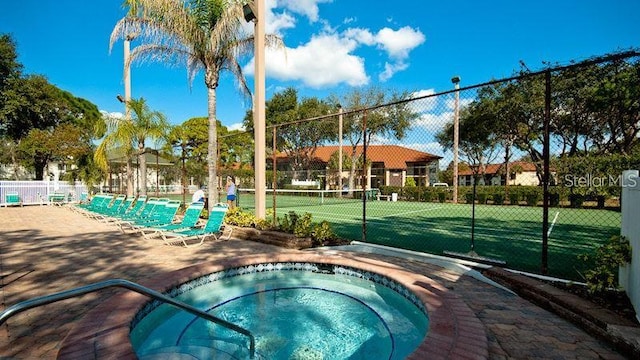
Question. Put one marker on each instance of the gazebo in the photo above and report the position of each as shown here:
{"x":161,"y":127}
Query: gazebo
{"x":117,"y":159}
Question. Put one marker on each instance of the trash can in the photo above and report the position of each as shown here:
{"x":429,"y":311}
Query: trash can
{"x":394,"y":196}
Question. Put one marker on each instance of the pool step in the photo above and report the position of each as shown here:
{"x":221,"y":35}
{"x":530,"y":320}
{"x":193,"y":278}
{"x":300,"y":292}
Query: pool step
{"x":192,"y":352}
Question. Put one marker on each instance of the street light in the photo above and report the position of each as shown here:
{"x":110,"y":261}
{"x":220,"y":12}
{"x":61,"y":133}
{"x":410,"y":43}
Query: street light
{"x":254,"y":11}
{"x":456,"y":136}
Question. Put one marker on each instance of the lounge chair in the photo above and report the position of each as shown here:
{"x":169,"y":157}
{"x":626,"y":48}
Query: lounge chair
{"x":12,"y":199}
{"x":131,"y":209}
{"x":148,"y":211}
{"x":110,"y":209}
{"x":121,"y":210}
{"x":189,"y":220}
{"x":214,"y":227}
{"x":162,"y":216}
{"x":57,"y":198}
{"x":97,"y":204}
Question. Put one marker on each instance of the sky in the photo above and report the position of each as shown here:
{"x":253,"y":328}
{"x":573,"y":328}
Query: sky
{"x":332,"y":46}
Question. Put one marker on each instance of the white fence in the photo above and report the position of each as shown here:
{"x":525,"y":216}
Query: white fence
{"x":630,"y":274}
{"x":41,"y":192}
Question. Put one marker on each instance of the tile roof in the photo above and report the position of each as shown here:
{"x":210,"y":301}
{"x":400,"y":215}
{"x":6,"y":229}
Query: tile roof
{"x":393,"y":156}
{"x":492,"y":169}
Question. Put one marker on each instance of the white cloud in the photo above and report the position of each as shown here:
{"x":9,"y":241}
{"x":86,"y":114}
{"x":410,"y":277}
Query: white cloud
{"x":423,"y":105}
{"x":326,"y":60}
{"x":431,"y":147}
{"x":362,"y":36}
{"x":434,"y":123}
{"x":112,"y":115}
{"x":391,"y":69}
{"x":398,"y":43}
{"x":236,"y":126}
{"x":308,"y":8}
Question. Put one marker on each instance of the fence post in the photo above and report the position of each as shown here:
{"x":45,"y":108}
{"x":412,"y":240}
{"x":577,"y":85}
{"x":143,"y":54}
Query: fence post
{"x":545,"y":174}
{"x":364,"y":176}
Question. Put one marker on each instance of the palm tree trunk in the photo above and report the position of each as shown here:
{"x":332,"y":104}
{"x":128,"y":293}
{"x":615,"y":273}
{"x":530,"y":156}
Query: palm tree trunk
{"x":142,"y":160}
{"x":129,"y":177}
{"x":212,"y":159}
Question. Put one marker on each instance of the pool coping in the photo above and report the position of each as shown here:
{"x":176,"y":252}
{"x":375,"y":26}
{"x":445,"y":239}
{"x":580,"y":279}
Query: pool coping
{"x":454,"y":330}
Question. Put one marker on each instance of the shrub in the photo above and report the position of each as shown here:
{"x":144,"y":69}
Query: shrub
{"x":576,"y":200}
{"x":322,"y":233}
{"x":468,"y":197}
{"x":532,"y":198}
{"x":608,"y":258}
{"x":514,"y":198}
{"x":482,"y":198}
{"x":498,"y":199}
{"x":288,"y":221}
{"x":554,"y":199}
{"x":238,"y":217}
{"x":442,"y":196}
{"x":303,"y":226}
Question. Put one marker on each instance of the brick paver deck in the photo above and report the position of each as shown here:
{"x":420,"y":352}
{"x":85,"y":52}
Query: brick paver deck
{"x":50,"y":249}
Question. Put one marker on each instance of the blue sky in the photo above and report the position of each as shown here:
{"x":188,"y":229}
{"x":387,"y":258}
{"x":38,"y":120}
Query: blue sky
{"x":332,"y":45}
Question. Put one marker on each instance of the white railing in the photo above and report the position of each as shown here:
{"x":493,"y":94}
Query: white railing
{"x":630,"y":274}
{"x":42,"y":192}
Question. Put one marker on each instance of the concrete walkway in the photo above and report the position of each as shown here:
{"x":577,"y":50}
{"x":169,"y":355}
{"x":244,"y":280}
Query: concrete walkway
{"x":50,"y":249}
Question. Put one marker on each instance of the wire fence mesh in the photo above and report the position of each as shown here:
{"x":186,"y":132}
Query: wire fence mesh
{"x":524,"y":171}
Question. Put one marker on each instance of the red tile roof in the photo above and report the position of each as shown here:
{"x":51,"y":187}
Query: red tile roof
{"x":492,"y":169}
{"x":393,"y":156}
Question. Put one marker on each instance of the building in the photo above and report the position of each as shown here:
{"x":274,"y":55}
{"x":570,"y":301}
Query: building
{"x":388,"y":165}
{"x":521,"y":173}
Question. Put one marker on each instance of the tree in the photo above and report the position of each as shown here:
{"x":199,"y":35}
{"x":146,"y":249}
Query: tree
{"x":29,"y":103}
{"x":10,"y":70}
{"x":392,"y":120}
{"x":477,"y":141}
{"x":131,"y":135}
{"x":203,"y":34}
{"x":295,"y":135}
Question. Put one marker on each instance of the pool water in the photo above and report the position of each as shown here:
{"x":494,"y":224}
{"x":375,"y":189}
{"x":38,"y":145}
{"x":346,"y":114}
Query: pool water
{"x":292,"y":314}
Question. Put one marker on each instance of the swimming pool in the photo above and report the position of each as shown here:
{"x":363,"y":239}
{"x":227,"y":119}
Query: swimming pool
{"x":453,"y":329}
{"x":294,"y":310}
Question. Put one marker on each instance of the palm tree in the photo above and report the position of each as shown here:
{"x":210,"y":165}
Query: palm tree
{"x":203,"y":34}
{"x":130,"y":135}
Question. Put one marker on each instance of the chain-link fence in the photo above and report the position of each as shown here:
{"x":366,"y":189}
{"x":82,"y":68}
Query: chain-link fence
{"x":522,"y":171}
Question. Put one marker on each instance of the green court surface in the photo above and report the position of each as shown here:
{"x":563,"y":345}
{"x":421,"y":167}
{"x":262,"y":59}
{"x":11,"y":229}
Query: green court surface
{"x":508,"y":233}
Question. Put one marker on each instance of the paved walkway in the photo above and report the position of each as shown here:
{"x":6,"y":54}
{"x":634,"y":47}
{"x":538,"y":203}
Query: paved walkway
{"x":50,"y":249}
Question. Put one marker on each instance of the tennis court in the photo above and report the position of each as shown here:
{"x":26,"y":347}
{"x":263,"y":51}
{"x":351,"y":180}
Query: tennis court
{"x":508,"y":233}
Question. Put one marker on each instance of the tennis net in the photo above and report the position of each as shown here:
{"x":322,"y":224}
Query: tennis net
{"x":299,"y":198}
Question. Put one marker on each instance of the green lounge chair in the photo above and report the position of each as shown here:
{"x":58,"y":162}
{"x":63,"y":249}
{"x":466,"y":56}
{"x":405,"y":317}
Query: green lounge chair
{"x":57,"y":198}
{"x":162,"y":216}
{"x":110,"y":209}
{"x":148,"y":212}
{"x":189,"y":220}
{"x":12,"y":199}
{"x":214,"y":227}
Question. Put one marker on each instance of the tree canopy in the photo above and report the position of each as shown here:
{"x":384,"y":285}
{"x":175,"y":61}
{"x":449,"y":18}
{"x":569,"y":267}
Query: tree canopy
{"x":38,"y":120}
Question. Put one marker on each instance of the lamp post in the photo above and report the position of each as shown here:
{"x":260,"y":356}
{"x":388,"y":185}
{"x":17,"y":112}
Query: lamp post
{"x":340,"y":150}
{"x":127,"y":74}
{"x":254,"y":11}
{"x":456,"y":136}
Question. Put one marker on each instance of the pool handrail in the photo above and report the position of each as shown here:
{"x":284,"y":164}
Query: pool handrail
{"x":64,"y":295}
